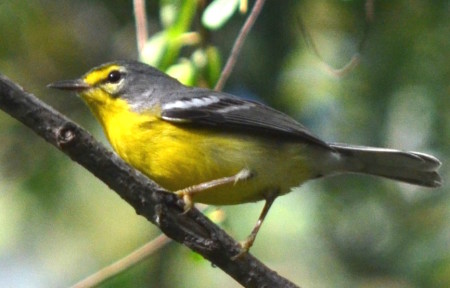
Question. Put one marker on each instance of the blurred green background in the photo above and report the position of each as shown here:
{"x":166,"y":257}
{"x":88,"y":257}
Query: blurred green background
{"x":58,"y":223}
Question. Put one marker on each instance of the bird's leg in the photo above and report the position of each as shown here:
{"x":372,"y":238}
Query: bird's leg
{"x":245,"y":245}
{"x":187,"y":193}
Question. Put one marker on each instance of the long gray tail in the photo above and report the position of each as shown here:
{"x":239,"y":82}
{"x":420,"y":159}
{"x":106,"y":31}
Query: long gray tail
{"x":410,"y":167}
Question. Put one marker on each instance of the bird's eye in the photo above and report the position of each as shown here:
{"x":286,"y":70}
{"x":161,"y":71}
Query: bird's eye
{"x":114,"y":76}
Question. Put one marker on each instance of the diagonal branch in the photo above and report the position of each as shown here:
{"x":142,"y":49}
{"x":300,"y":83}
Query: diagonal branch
{"x":121,"y":265}
{"x":237,"y":46}
{"x":163,"y":209}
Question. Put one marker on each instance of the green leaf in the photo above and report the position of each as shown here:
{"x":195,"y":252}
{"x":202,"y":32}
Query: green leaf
{"x":176,"y":16}
{"x":163,"y":48}
{"x":213,"y":66}
{"x":218,"y":13}
{"x":154,"y":49}
{"x":208,"y":64}
{"x":184,"y":72}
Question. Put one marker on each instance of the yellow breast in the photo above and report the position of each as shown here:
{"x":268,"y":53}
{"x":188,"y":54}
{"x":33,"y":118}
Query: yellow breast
{"x":178,"y":156}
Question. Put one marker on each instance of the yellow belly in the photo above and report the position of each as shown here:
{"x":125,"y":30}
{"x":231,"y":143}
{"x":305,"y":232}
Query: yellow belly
{"x":178,"y":156}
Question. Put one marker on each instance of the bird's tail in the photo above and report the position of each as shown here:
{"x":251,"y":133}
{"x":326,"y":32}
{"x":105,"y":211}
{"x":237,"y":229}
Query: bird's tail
{"x":410,"y":167}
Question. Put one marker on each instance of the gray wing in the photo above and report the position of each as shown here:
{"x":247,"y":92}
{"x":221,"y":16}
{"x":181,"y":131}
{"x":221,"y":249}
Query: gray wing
{"x":209,"y":108}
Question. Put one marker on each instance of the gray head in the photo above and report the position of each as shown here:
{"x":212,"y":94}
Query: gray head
{"x":137,"y":83}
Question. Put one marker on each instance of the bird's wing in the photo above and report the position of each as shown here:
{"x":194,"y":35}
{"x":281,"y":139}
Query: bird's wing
{"x":216,"y":109}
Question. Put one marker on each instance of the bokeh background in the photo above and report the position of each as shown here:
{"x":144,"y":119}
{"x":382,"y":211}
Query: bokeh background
{"x":58,"y":223}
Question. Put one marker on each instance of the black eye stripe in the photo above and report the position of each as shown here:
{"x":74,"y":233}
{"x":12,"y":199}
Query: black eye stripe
{"x":114,"y":76}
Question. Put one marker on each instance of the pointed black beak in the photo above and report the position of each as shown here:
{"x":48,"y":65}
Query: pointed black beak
{"x":77,"y":85}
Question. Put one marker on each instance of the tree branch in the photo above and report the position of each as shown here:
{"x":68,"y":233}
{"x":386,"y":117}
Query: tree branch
{"x":123,"y":264}
{"x":163,"y":209}
{"x":237,"y":46}
{"x":141,"y":24}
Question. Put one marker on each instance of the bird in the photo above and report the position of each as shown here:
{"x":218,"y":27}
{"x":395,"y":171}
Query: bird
{"x":215,"y":148}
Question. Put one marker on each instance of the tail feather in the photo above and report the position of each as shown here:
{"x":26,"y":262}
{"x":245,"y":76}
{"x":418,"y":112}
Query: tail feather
{"x":410,"y":167}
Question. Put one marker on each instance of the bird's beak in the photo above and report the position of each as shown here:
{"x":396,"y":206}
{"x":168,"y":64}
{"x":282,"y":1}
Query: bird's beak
{"x":76,"y":85}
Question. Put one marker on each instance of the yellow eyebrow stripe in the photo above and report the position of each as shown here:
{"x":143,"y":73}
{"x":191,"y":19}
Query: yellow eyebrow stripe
{"x":94,"y":77}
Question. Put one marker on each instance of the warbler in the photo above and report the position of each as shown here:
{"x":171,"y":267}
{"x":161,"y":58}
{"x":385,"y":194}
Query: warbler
{"x":214,"y":148}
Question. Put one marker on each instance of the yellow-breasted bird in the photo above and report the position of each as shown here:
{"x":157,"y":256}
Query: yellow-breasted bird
{"x":214,"y":148}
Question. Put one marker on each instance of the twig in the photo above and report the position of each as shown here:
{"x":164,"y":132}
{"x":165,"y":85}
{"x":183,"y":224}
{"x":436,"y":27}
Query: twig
{"x":237,"y":46}
{"x":355,"y":59}
{"x":340,"y":72}
{"x":141,"y":24}
{"x":127,"y":262}
{"x":370,"y":11}
{"x":123,"y":264}
{"x":163,"y":209}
